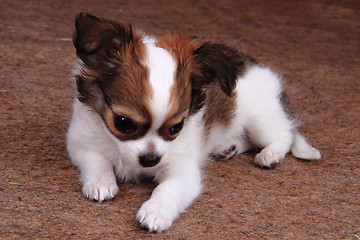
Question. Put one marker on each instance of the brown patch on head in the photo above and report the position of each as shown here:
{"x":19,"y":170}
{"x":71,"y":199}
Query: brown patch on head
{"x":182,"y":50}
{"x":126,"y":83}
{"x":95,"y":39}
{"x":113,"y":75}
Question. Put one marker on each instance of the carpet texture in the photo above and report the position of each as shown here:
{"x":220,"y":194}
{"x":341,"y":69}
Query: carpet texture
{"x":314,"y":45}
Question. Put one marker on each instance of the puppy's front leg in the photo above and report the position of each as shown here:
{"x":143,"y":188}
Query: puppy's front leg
{"x":98,"y":178}
{"x":171,"y":197}
{"x":97,"y":174}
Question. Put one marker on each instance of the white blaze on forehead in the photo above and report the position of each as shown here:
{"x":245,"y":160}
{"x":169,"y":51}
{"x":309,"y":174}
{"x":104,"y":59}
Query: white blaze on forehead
{"x":161,"y":67}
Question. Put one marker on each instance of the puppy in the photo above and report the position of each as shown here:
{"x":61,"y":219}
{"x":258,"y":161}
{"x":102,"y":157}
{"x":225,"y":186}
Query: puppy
{"x":160,"y":107}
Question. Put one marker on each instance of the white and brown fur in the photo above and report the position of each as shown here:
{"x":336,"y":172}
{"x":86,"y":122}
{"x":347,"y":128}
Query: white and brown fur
{"x":160,"y":107}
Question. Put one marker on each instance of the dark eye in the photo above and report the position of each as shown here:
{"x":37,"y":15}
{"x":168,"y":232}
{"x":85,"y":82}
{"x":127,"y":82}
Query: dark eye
{"x":124,"y":125}
{"x":176,"y":128}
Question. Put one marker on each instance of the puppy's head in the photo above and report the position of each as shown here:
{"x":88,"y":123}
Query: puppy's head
{"x":146,"y":89}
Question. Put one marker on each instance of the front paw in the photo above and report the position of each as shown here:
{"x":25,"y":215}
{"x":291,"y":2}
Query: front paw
{"x":103,"y":188}
{"x":154,"y":216}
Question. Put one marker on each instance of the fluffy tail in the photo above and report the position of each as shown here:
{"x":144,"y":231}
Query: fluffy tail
{"x":301,"y":149}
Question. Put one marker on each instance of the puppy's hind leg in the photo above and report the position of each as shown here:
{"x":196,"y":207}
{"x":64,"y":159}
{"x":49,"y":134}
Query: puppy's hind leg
{"x":275,"y":137}
{"x":271,"y":154}
{"x":301,"y":149}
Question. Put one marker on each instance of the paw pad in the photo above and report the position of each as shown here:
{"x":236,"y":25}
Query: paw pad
{"x":226,"y":154}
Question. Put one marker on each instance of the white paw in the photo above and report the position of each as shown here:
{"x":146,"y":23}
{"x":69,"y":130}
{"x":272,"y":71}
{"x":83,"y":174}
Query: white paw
{"x":154,"y":216}
{"x":268,"y":157}
{"x":103,"y":188}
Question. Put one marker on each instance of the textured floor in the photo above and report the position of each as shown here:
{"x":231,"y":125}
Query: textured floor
{"x":315,"y":45}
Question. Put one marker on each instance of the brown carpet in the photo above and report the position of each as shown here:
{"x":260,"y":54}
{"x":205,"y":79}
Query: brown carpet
{"x":315,"y":45}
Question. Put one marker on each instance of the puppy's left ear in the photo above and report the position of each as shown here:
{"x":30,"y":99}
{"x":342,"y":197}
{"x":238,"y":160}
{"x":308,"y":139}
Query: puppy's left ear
{"x":220,"y":63}
{"x":96,"y":39}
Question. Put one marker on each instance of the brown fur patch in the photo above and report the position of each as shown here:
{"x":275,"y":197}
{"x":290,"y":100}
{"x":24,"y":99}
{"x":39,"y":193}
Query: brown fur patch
{"x":114,"y":75}
{"x":220,"y":67}
{"x":128,"y":89}
{"x":220,"y":108}
{"x":206,"y":75}
{"x":182,"y":50}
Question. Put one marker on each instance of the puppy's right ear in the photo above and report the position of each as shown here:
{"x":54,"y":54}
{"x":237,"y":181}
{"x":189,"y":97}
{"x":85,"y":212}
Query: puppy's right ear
{"x":96,"y":39}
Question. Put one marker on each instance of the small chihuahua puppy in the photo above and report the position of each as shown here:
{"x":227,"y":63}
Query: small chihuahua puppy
{"x":160,"y":107}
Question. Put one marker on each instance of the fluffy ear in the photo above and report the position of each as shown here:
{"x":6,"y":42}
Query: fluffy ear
{"x":95,"y":39}
{"x":220,"y":63}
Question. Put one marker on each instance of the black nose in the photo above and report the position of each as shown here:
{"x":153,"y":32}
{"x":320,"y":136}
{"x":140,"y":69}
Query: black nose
{"x":149,"y":160}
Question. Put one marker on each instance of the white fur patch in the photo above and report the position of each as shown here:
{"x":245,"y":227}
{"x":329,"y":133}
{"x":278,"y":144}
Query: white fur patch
{"x":162,"y":67}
